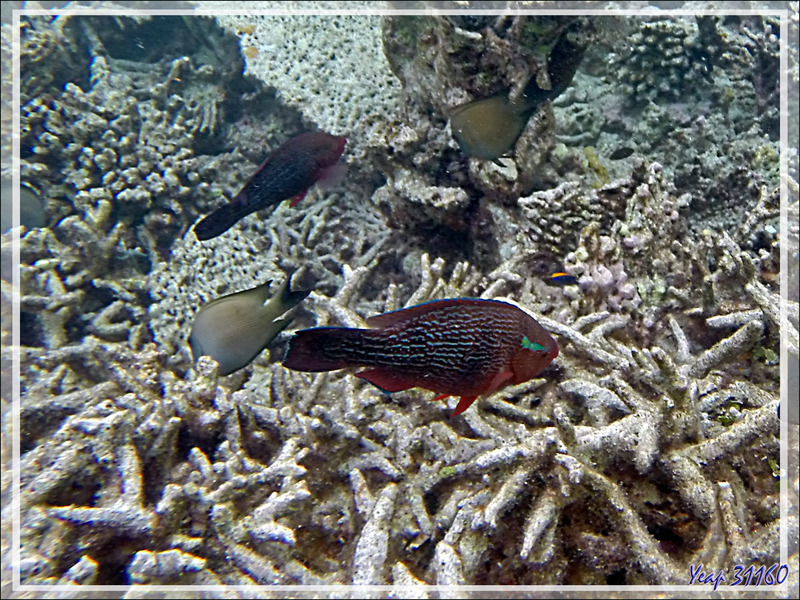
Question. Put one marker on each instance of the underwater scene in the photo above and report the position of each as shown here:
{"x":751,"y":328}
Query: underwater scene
{"x":432,"y":299}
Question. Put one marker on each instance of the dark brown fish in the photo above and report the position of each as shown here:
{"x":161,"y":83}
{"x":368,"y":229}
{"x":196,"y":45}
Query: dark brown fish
{"x":288,"y":172}
{"x":620,"y":153}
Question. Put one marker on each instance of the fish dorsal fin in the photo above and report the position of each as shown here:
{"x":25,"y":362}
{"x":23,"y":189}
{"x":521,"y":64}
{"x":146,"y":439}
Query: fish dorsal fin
{"x":398,"y":316}
{"x":261,"y":292}
{"x":288,"y":298}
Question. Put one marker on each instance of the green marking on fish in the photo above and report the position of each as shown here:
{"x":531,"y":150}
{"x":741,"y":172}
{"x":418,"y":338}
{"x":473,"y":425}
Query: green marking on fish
{"x":533,"y":346}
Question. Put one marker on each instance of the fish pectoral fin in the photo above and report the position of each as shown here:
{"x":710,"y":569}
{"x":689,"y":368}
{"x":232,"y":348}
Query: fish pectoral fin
{"x":279,"y":325}
{"x":387,"y":381}
{"x":463,"y":404}
{"x":331,"y":176}
{"x":498,"y":381}
{"x":296,"y":200}
{"x":440,"y":397}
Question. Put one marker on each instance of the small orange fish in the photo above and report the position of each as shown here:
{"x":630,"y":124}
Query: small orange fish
{"x":560,"y":278}
{"x":457,"y":347}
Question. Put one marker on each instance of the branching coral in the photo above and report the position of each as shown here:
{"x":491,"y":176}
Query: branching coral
{"x":116,"y":449}
{"x":120,"y":158}
{"x":115,"y":156}
{"x":127,"y":142}
{"x":462,"y":486}
{"x":649,"y":445}
{"x":615,"y":458}
{"x":76,"y":279}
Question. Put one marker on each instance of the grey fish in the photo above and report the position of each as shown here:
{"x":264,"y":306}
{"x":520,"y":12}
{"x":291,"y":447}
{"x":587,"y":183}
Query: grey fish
{"x":32,"y":212}
{"x":621,"y":153}
{"x":488,"y":128}
{"x":234,"y":329}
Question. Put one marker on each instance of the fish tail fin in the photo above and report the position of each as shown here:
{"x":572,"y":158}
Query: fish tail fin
{"x":218,"y":222}
{"x":288,"y":298}
{"x":533,"y":96}
{"x":225,"y":217}
{"x":323,"y":349}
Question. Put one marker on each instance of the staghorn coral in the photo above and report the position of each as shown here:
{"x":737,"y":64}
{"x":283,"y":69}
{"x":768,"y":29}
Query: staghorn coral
{"x":76,"y":279}
{"x":130,"y":432}
{"x":647,"y":447}
{"x":411,"y":483}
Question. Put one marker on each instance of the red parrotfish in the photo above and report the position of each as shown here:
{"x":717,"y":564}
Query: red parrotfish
{"x":457,"y":347}
{"x":287,"y":172}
